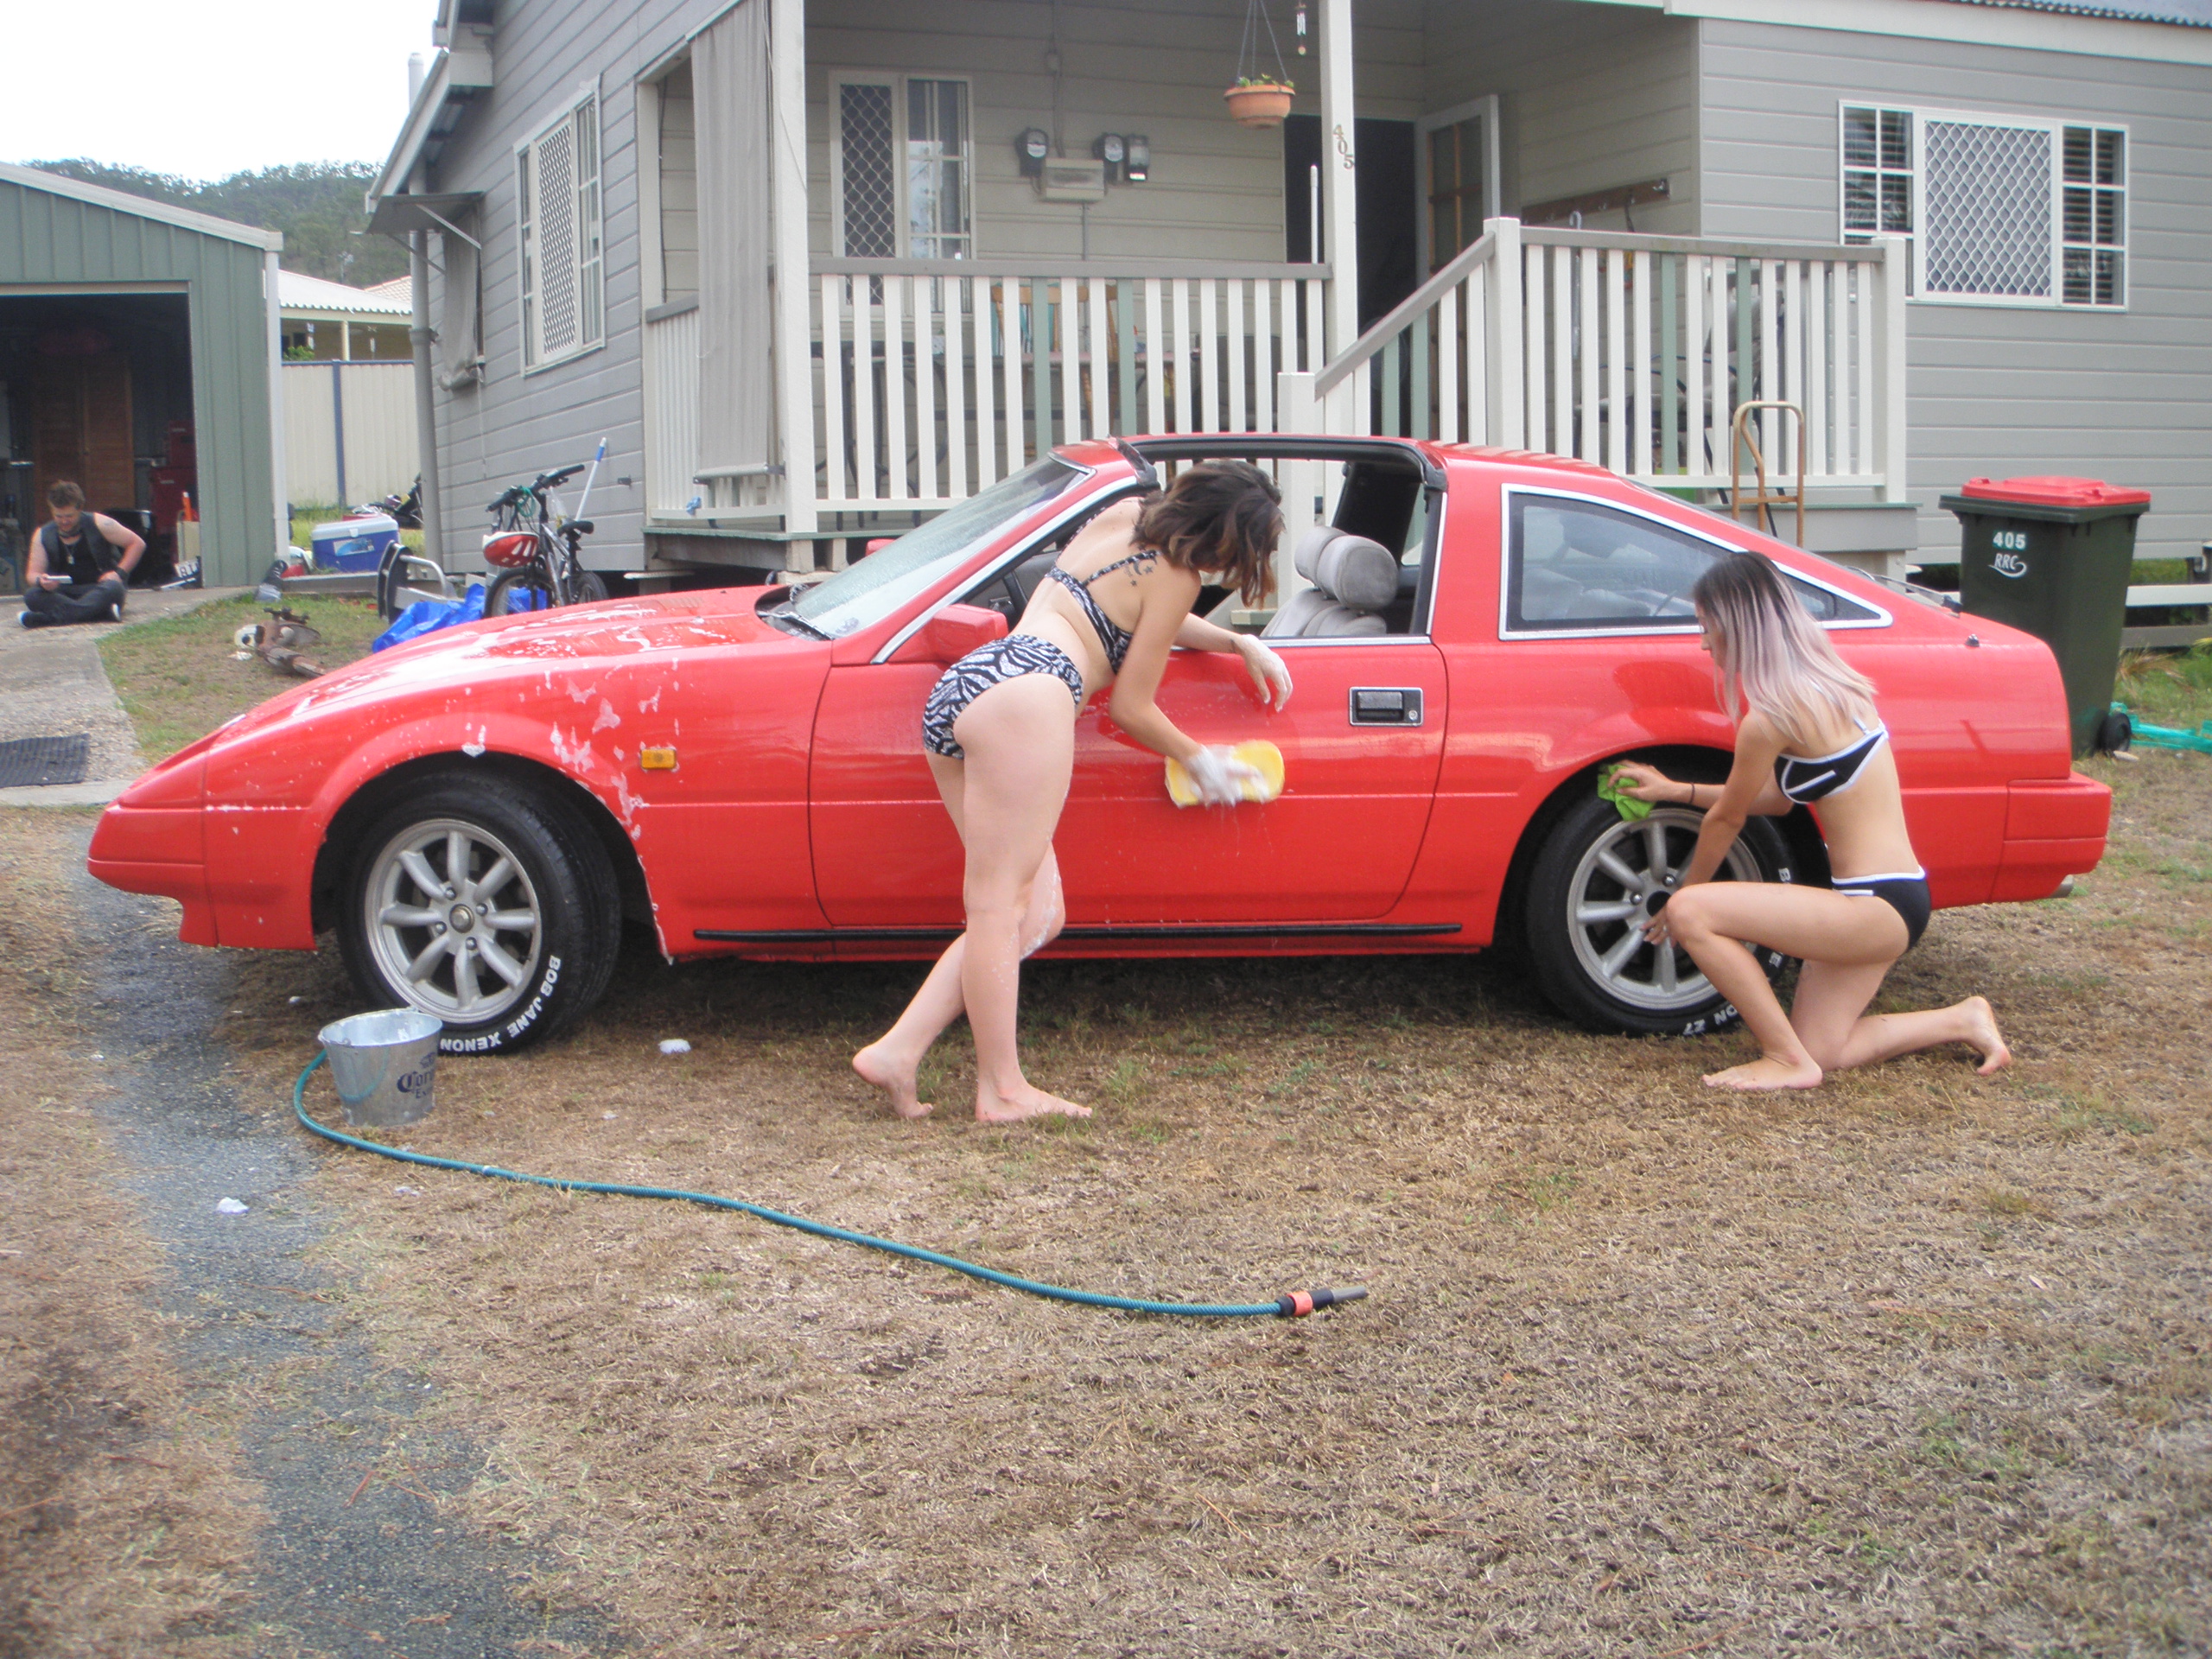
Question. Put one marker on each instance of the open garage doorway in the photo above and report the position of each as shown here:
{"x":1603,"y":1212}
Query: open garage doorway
{"x":97,"y":388}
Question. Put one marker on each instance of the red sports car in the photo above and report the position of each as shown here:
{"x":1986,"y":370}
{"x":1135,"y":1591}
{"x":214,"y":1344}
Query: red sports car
{"x":478,"y":814}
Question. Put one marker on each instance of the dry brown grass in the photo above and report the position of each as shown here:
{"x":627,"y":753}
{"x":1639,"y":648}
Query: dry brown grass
{"x":1919,"y":1363}
{"x":122,"y":1517}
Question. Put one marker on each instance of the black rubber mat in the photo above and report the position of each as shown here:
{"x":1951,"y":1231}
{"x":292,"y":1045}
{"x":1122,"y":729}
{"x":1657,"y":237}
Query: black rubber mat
{"x":45,"y":760}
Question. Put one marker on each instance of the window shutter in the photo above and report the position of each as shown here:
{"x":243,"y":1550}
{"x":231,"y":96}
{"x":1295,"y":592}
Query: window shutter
{"x":1987,"y":229}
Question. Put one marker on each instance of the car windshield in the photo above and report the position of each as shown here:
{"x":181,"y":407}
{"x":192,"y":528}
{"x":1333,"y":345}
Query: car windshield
{"x":887,"y":578}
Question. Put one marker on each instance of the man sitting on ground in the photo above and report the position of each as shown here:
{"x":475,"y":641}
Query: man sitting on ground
{"x":81,"y":564}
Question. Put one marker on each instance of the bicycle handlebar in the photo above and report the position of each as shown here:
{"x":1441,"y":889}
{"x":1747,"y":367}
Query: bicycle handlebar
{"x":547,"y":481}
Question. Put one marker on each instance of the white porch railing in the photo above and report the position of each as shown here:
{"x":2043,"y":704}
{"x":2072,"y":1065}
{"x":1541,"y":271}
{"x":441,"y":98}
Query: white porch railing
{"x":934,"y":378}
{"x":1634,"y":352}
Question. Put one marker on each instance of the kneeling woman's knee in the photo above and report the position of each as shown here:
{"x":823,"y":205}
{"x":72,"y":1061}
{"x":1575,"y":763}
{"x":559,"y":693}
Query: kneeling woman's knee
{"x":1689,"y":916}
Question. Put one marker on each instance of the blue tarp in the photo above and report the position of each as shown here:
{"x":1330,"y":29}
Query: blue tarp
{"x":429,"y":615}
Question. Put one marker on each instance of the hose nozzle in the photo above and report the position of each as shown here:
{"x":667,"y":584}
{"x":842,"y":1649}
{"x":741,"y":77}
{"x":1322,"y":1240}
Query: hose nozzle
{"x":1299,"y":1303}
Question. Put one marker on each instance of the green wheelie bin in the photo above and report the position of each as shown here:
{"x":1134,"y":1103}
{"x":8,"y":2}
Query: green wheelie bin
{"x":2051,"y":557}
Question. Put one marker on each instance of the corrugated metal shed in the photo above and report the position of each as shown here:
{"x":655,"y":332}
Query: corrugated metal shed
{"x":61,"y":237}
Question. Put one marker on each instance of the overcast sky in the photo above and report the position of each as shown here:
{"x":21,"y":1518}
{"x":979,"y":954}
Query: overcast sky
{"x":205,"y":88}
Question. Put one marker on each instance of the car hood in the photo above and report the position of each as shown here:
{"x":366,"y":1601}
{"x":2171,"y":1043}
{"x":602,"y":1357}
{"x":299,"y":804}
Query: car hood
{"x":614,"y":630}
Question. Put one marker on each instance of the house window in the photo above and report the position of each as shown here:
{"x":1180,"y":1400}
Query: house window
{"x":1996,"y":210}
{"x":562,"y":239}
{"x":2095,"y":226}
{"x":903,"y":170}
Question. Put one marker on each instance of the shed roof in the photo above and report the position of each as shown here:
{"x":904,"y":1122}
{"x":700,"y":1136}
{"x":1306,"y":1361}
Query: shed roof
{"x":296,"y":292}
{"x":2188,"y":14}
{"x":99,"y":195}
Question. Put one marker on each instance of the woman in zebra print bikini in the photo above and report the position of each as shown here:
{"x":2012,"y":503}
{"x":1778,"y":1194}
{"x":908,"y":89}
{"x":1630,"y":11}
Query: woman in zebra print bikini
{"x":1000,"y":734}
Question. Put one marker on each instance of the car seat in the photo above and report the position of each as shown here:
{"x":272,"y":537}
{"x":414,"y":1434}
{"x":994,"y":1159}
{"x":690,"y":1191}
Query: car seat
{"x":1355,"y":580}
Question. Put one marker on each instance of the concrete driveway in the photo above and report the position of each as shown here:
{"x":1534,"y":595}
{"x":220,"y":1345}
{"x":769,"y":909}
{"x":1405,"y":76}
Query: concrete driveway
{"x":51,"y":684}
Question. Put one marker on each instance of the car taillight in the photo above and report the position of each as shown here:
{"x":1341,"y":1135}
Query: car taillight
{"x":510,"y":549}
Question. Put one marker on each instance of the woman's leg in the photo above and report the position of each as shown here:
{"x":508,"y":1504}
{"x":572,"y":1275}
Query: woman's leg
{"x":892,"y":1062}
{"x":1712,"y":919}
{"x":1020,"y":737}
{"x":1830,"y":1017}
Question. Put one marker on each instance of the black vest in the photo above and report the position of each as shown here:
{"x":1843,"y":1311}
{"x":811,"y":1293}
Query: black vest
{"x":93,"y":557}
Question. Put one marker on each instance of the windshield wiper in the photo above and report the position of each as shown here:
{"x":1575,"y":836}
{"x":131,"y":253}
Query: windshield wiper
{"x":786,"y":617}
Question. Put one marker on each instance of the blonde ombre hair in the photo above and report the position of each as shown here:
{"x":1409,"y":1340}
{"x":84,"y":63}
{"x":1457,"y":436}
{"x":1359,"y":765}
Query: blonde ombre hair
{"x":1769,"y":654}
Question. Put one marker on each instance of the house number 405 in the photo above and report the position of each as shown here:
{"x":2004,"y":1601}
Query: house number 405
{"x":2011,"y":540}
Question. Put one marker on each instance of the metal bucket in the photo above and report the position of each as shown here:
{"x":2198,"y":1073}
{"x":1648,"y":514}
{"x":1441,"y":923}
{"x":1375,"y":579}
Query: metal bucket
{"x":383,"y":1064}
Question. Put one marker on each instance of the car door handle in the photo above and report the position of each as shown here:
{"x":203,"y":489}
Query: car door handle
{"x":1385,"y":705}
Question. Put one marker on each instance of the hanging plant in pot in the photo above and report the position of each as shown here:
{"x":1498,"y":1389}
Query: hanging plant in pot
{"x":1259,"y":99}
{"x":1261,"y":103}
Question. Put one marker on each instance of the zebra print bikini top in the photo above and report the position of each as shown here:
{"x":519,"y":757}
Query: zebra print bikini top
{"x":1111,"y":635}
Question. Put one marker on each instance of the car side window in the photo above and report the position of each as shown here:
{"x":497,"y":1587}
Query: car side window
{"x":1578,"y":566}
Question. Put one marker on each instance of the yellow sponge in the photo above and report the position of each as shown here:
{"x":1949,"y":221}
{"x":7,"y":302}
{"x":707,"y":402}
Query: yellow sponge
{"x":1260,"y":755}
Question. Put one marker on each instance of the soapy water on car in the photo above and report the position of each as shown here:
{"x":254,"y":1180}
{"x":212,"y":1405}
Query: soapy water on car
{"x":1293,"y":1305}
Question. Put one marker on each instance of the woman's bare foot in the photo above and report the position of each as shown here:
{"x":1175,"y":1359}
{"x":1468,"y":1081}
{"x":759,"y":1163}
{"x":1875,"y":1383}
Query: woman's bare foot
{"x":1982,"y":1032}
{"x":1763,"y":1073}
{"x":991,"y":1106}
{"x":896,"y":1077}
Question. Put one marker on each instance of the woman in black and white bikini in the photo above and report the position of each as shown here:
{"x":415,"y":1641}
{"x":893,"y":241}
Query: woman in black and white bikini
{"x":1807,"y":734}
{"x":1000,"y":734}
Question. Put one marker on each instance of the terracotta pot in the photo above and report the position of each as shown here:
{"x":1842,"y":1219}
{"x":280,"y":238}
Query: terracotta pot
{"x":1263,"y":104}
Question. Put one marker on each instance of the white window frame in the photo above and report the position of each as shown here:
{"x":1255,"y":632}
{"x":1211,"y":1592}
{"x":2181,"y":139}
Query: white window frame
{"x":1881,"y":617}
{"x":901,"y":126}
{"x":1916,"y":238}
{"x":583,"y":106}
{"x":1480,"y":109}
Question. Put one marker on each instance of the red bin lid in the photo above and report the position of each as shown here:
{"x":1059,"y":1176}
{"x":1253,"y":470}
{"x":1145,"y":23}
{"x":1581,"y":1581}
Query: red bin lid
{"x":2054,"y":491}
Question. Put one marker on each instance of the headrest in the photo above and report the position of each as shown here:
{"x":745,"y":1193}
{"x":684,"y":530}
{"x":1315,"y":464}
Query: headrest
{"x":1361,"y":573}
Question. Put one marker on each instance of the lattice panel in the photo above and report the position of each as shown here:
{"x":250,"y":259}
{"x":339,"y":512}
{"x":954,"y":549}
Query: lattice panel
{"x":556,"y":240}
{"x":871,"y":189}
{"x":1989,"y":225}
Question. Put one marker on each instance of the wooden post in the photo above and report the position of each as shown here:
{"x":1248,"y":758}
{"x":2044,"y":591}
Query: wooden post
{"x":794,"y":348}
{"x":1504,"y":392}
{"x":1296,"y":410}
{"x":1339,"y":178}
{"x":1889,"y":371}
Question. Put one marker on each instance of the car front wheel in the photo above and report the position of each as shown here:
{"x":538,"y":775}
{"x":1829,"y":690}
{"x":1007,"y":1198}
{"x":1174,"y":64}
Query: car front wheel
{"x":492,"y":908}
{"x":1586,"y":907}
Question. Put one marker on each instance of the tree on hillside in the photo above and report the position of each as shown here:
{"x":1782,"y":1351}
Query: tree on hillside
{"x":315,"y":205}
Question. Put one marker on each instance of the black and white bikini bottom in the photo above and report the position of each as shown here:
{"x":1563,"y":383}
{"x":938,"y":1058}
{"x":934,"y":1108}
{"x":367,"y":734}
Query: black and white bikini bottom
{"x":1007,"y":658}
{"x":1907,"y":895}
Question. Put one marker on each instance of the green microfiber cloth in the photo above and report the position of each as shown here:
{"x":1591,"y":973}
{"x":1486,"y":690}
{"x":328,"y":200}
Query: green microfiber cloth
{"x":1610,"y":789}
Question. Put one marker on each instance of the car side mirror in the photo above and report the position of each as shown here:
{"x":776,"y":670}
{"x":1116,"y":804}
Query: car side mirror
{"x":951,"y":634}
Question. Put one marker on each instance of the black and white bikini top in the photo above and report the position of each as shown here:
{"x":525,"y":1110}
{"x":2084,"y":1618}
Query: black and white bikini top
{"x":1805,"y":780}
{"x":1111,"y":635}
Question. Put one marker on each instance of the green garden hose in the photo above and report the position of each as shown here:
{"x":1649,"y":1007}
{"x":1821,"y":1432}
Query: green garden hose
{"x":1296,"y":1305}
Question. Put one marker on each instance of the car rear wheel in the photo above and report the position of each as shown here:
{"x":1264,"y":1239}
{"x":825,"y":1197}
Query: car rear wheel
{"x":492,"y":908}
{"x":514,"y":591}
{"x":1585,"y":908}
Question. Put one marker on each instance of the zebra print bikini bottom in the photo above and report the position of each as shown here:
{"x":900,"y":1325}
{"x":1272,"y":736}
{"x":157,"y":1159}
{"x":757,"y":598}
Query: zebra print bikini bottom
{"x":1007,"y":658}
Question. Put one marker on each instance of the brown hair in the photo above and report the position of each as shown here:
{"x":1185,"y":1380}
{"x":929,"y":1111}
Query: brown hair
{"x":63,"y":493}
{"x":1220,"y":516}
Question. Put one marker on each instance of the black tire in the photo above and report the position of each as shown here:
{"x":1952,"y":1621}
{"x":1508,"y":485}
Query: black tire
{"x":548,"y":928}
{"x":517,"y":592}
{"x":1584,"y":963}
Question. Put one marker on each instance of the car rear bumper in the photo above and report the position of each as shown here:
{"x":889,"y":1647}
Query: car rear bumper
{"x":2053,"y":828}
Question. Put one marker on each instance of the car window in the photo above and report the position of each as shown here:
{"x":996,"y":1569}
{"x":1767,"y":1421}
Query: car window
{"x":1577,"y":566}
{"x":870,"y":591}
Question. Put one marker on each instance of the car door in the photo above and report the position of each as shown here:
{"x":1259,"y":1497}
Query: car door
{"x":1361,"y":740}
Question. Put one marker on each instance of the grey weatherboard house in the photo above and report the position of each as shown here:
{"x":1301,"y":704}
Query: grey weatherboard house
{"x":817,"y":268}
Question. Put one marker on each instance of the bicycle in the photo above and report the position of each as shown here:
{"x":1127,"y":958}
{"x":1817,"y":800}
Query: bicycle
{"x":538,"y":550}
